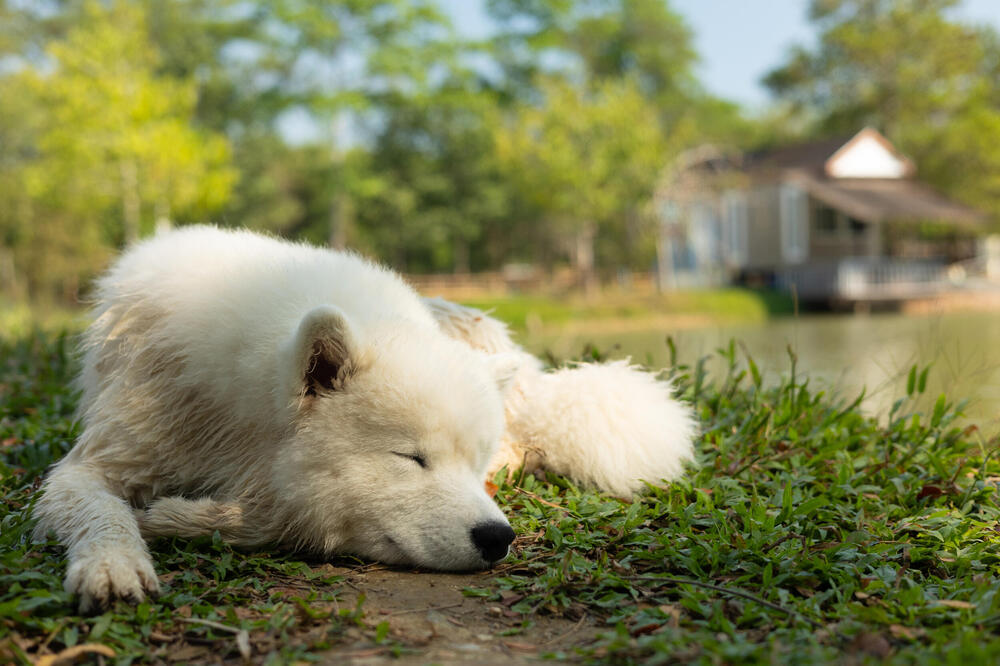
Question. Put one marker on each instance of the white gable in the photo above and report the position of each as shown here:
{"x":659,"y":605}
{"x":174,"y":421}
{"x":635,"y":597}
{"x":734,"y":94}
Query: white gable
{"x":865,"y":156}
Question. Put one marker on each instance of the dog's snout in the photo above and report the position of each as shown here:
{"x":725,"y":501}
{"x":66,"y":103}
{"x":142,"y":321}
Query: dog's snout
{"x":492,"y":539}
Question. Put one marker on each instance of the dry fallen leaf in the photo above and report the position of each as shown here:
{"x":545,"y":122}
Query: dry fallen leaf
{"x":491,"y":488}
{"x":930,"y":491}
{"x":674,"y":612}
{"x":243,"y":645}
{"x":520,"y":647}
{"x":70,"y":654}
{"x":643,"y":629}
{"x":509,"y":597}
{"x":873,"y":644}
{"x":954,"y":603}
{"x":188,"y":653}
{"x":909,"y":633}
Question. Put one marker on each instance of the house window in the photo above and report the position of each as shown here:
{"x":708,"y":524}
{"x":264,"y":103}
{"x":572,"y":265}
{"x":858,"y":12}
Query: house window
{"x":705,"y":235}
{"x":793,"y":222}
{"x":734,"y":228}
{"x":858,"y":227}
{"x":826,"y":220}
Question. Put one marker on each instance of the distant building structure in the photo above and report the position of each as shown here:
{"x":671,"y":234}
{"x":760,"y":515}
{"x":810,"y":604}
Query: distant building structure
{"x":836,"y":220}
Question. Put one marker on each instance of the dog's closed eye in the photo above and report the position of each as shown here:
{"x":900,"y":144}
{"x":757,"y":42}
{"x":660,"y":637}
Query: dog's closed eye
{"x":415,"y":457}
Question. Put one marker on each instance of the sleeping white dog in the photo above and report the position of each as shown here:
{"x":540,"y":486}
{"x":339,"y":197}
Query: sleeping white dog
{"x":285,"y":394}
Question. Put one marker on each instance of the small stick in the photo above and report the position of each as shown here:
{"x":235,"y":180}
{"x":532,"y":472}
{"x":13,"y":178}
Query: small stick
{"x":514,"y":565}
{"x":432,"y":608}
{"x":546,"y":502}
{"x":572,"y":629}
{"x":210,"y":623}
{"x":733,"y":591}
{"x":520,"y":472}
{"x":44,"y":647}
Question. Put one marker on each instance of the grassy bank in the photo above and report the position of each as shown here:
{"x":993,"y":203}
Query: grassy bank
{"x":19,"y":320}
{"x":535,"y":311}
{"x":808,"y":533}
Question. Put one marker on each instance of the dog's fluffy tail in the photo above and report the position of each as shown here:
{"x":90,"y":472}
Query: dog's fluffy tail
{"x":610,"y":425}
{"x":607,"y":425}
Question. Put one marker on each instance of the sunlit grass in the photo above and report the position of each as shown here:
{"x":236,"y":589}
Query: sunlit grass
{"x":20,"y":319}
{"x":524,"y":311}
{"x":809,"y":532}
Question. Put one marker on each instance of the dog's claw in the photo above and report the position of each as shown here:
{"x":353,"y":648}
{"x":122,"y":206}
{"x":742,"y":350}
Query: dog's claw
{"x":103,"y":577}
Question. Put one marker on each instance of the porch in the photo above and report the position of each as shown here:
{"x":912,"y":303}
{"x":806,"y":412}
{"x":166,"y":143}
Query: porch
{"x":868,"y":280}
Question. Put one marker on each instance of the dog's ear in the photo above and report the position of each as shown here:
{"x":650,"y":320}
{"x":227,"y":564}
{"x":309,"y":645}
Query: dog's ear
{"x":324,"y":347}
{"x":504,"y":368}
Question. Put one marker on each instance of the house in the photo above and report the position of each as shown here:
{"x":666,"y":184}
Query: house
{"x":835,"y":220}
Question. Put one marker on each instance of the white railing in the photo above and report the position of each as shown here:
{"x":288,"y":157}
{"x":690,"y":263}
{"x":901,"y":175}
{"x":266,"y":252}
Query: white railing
{"x":866,"y":279}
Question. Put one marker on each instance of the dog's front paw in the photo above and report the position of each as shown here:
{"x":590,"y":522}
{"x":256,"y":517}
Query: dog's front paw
{"x":108,"y":574}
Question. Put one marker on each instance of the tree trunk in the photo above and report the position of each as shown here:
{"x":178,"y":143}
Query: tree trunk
{"x":8,"y":274}
{"x":584,"y":258}
{"x":131,"y":203}
{"x":163,"y":222}
{"x":71,"y":289}
{"x":664,"y":258}
{"x":340,"y":215}
{"x":461,"y":266}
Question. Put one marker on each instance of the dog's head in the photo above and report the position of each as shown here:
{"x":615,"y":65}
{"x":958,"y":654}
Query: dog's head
{"x":394,"y":428}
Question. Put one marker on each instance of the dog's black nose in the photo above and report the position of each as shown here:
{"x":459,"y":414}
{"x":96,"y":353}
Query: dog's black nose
{"x":492,"y":539}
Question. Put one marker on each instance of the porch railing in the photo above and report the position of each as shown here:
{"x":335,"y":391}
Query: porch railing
{"x":865,"y":279}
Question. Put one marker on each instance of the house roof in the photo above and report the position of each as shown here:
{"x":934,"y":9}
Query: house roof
{"x":828,"y":156}
{"x":810,"y":156}
{"x":879,"y":185}
{"x":887,"y":199}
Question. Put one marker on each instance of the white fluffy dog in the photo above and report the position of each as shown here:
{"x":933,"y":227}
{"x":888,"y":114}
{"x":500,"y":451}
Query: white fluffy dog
{"x":609,"y":426}
{"x":279,"y":393}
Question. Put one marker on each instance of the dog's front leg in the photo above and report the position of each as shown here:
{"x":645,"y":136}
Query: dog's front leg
{"x":179,"y":516}
{"x":108,"y":559}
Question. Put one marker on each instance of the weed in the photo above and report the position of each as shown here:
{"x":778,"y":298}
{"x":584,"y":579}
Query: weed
{"x":808,"y":532}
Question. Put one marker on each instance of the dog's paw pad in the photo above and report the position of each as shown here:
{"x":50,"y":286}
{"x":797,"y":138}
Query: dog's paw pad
{"x":101,"y":578}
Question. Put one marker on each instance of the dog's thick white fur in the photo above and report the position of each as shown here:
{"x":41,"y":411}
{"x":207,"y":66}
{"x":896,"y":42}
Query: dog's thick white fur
{"x":279,"y":393}
{"x":610,"y":425}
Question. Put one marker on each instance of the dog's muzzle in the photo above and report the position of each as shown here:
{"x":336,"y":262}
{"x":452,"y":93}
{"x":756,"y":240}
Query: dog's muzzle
{"x":492,"y":539}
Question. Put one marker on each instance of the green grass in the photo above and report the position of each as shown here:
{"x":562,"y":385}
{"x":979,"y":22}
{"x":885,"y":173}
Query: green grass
{"x":808,"y":533}
{"x":20,"y":320}
{"x":730,"y":304}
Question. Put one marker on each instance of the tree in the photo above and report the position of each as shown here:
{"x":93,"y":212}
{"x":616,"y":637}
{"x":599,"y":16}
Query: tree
{"x":110,"y":134}
{"x":117,"y":129}
{"x":590,"y":41}
{"x":442,"y":190}
{"x":586,"y":162}
{"x":902,"y":66}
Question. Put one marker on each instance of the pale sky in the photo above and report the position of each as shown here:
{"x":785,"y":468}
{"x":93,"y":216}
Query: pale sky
{"x":738,"y":41}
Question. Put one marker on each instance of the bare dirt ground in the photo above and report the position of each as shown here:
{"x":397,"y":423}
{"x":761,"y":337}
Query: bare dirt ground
{"x":432,"y":620}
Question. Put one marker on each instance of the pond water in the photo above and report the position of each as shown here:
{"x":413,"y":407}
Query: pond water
{"x":840,"y":353}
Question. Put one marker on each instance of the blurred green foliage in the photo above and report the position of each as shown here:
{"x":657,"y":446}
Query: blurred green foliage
{"x":927,"y":82}
{"x":431,"y":151}
{"x":730,"y":304}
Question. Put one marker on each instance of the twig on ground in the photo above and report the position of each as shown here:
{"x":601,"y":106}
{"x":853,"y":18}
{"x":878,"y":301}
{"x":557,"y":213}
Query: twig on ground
{"x":563,"y":636}
{"x":538,"y":499}
{"x":732,"y":591}
{"x":516,"y":565}
{"x":418,"y":610}
{"x":210,"y":623}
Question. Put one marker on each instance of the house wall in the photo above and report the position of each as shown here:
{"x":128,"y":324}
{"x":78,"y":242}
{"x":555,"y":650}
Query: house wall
{"x":834,"y":235}
{"x":831,"y":234}
{"x":764,"y":246}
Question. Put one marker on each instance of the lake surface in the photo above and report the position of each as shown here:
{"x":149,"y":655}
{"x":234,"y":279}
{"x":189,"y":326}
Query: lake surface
{"x":841,"y":353}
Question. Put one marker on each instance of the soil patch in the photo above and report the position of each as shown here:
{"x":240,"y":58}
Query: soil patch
{"x":430,"y":620}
